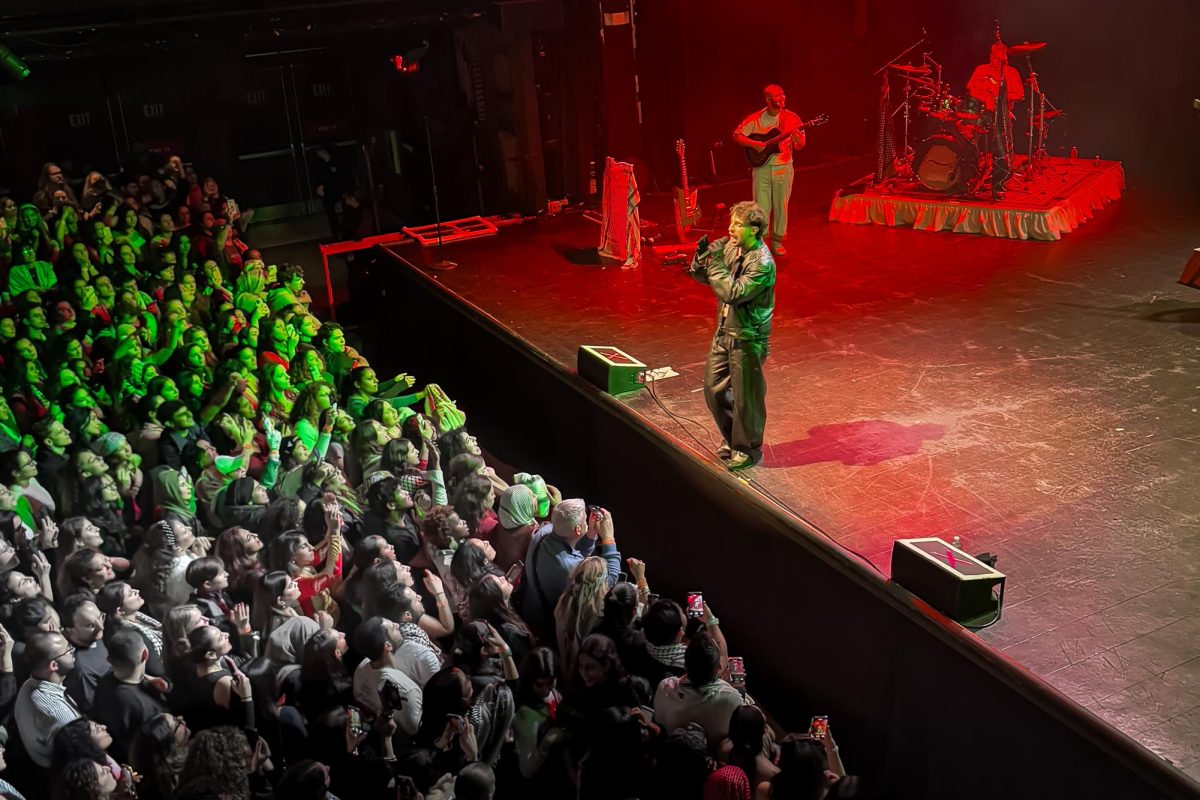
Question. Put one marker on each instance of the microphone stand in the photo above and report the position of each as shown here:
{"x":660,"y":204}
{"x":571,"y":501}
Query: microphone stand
{"x":442,"y":264}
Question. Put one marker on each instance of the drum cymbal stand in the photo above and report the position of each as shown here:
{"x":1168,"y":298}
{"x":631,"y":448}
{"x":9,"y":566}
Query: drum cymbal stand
{"x":1038,"y":105}
{"x":885,"y":113}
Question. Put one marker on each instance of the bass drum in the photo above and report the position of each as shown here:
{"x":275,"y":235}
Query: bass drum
{"x":946,"y":162}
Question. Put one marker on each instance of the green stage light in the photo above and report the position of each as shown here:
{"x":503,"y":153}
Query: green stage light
{"x":13,"y":65}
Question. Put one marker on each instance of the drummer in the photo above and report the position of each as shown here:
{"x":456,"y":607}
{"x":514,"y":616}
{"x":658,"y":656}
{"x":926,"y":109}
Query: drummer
{"x":985,"y":80}
{"x":985,"y":86}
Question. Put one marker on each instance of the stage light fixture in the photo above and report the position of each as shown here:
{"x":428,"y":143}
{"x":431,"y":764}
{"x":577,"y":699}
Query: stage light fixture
{"x":12,"y":64}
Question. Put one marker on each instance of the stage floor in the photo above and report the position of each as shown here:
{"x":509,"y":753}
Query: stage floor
{"x":1041,"y":401}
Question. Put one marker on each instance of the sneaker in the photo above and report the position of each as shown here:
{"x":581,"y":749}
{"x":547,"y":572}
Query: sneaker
{"x":740,"y":460}
{"x":724,"y":452}
{"x":779,"y":249}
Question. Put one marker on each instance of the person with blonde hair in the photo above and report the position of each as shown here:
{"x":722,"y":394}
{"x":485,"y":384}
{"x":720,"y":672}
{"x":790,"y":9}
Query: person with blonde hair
{"x":580,"y":608}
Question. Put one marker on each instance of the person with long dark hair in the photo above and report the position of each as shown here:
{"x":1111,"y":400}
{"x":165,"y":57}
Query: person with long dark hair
{"x":489,"y":602}
{"x":157,"y":753}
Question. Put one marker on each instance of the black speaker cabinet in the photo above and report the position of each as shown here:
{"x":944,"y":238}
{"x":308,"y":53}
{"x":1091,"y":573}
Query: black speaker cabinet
{"x":955,"y":583}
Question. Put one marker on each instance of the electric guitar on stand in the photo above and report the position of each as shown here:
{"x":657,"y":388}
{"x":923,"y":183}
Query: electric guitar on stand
{"x":773,"y":137}
{"x":687,"y":209}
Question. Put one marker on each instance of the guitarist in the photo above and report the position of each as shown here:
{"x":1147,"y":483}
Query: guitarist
{"x":772,"y":181}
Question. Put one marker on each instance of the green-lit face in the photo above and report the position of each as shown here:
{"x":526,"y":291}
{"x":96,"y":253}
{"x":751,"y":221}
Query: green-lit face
{"x":29,"y":217}
{"x":169,"y":390}
{"x":193,"y":384}
{"x":336,"y":342}
{"x":324,"y":397}
{"x":278,"y":378}
{"x":185,"y":244}
{"x":33,"y":372}
{"x":109,"y":492}
{"x":278,"y":330}
{"x":8,"y":329}
{"x":103,"y":234}
{"x":127,"y":257}
{"x":165,"y":223}
{"x":26,"y":254}
{"x":129,"y":219}
{"x":295,"y":284}
{"x":104,"y":290}
{"x":198,"y":337}
{"x":91,"y":464}
{"x":81,"y":398}
{"x":308,"y":326}
{"x":36,"y":318}
{"x":79,"y":253}
{"x":183,"y":419}
{"x":391,"y":417}
{"x":187,"y":288}
{"x":8,"y":500}
{"x":124,"y":451}
{"x":245,"y":407}
{"x":25,"y":349}
{"x":74,"y":349}
{"x":312,"y":362}
{"x":185,"y":486}
{"x":58,"y":436}
{"x":94,"y":427}
{"x":368,"y":382}
{"x":26,"y":469}
{"x":742,"y":233}
{"x":246,"y":359}
{"x":194,"y":357}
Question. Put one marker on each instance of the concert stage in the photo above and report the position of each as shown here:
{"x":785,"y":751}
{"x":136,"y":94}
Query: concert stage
{"x":1060,"y":198}
{"x":1040,"y":403}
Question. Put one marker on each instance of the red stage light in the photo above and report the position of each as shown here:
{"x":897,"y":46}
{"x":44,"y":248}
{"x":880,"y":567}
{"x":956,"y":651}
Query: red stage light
{"x":398,"y":63}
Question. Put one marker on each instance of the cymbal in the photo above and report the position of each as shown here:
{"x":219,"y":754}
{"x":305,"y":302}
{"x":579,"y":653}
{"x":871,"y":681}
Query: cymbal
{"x":1049,"y":115}
{"x":910,"y":70}
{"x":1025,"y":48}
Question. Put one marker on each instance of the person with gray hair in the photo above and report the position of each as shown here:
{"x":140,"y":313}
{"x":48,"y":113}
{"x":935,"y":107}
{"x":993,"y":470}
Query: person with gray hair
{"x":574,"y":532}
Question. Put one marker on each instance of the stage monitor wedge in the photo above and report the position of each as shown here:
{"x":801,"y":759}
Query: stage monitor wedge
{"x":610,"y":368}
{"x":1191,"y":271}
{"x":955,"y":583}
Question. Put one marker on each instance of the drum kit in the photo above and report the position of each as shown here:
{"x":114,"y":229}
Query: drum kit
{"x":953,"y":152}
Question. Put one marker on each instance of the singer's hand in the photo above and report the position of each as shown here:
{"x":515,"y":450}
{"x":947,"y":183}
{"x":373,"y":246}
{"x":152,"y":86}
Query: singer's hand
{"x":702,"y":245}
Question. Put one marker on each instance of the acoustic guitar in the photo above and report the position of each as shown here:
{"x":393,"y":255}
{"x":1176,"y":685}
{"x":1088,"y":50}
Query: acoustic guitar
{"x":773,"y":137}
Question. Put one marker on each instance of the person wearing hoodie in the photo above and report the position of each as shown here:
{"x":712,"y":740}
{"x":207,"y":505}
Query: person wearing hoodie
{"x":242,"y":503}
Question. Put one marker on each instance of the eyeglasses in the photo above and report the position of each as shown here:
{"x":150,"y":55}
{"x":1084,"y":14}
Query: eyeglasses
{"x":70,"y":650}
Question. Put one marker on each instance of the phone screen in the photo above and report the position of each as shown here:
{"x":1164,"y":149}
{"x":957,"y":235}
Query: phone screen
{"x":356,"y":722}
{"x":818,"y":727}
{"x":515,"y":571}
{"x":695,"y":604}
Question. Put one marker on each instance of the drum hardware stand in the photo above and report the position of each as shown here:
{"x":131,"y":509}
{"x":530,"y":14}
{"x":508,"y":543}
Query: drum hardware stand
{"x":886,"y":113}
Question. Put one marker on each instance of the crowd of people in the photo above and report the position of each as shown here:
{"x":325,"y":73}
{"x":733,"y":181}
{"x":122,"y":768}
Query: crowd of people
{"x":236,"y":562}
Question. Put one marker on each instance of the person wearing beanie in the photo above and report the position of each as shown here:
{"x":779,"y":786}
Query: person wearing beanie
{"x":518,"y":522}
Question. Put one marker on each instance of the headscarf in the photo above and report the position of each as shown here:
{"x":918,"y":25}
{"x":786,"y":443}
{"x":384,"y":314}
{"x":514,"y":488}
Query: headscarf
{"x":169,"y":497}
{"x":538,"y":486}
{"x":517,"y":507}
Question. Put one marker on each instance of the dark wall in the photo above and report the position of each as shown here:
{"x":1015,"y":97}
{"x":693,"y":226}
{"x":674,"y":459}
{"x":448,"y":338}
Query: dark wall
{"x":1125,"y":72}
{"x":920,"y":707}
